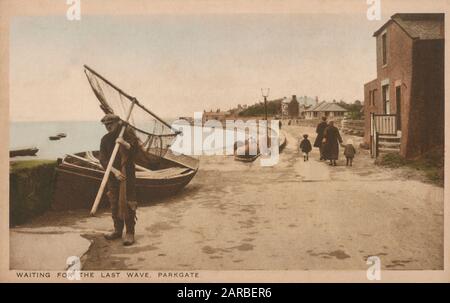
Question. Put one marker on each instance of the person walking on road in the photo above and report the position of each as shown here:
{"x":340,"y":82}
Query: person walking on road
{"x":349,"y":152}
{"x":319,"y":139}
{"x":305,"y":147}
{"x":333,"y":139}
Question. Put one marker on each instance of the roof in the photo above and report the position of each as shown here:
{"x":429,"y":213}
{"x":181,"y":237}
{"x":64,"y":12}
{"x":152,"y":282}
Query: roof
{"x":327,"y":107}
{"x":418,"y":26}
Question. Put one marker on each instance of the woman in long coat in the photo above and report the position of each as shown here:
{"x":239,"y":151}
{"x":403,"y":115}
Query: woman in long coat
{"x":333,"y":138}
{"x":320,"y":131}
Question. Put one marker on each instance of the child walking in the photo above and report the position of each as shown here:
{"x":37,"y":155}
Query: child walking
{"x":349,"y":152}
{"x":305,"y":147}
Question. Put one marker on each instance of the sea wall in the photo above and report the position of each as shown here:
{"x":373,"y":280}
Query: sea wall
{"x":31,"y":186}
{"x":309,"y":122}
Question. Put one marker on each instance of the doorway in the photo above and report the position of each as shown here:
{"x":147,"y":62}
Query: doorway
{"x":386,"y":102}
{"x":398,"y":103}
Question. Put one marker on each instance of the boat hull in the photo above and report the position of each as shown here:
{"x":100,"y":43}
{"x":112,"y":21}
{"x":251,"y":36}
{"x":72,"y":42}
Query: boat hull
{"x":76,"y":186}
{"x":246,"y":157}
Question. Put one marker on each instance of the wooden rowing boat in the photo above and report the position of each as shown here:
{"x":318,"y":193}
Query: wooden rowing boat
{"x":245,"y":156}
{"x":78,"y":178}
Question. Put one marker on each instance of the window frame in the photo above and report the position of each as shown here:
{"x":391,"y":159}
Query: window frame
{"x":384,"y":49}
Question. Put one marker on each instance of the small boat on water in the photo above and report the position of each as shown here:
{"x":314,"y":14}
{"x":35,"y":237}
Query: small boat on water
{"x":62,"y":135}
{"x":54,"y":138}
{"x":78,"y":178}
{"x":30,"y":151}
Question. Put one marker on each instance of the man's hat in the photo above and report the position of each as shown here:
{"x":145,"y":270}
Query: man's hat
{"x":109,"y":118}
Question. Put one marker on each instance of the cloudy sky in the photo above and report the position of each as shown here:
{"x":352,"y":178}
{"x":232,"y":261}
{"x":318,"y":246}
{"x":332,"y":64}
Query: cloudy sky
{"x":178,"y":64}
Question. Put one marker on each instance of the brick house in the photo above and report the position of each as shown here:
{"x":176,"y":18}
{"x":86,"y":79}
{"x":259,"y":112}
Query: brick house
{"x":410,"y":81}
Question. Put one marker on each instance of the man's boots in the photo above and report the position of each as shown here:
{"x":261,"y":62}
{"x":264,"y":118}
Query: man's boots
{"x":129,"y":239}
{"x":117,"y":233}
{"x":130,"y":222}
{"x":129,"y":236}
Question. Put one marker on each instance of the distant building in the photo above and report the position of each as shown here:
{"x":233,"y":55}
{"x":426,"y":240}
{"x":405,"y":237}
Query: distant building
{"x":302,"y":110}
{"x":293,"y":107}
{"x":326,"y":109}
{"x":285,"y":108}
{"x":215,"y":115}
{"x":409,"y":88}
{"x":308,"y":101}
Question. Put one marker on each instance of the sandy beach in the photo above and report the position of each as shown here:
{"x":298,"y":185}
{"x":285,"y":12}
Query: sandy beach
{"x":235,"y":216}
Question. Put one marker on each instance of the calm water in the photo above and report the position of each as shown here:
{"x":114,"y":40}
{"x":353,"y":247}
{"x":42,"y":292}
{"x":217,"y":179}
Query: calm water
{"x":81,"y":136}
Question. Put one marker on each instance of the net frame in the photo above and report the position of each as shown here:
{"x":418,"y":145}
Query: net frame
{"x":156,"y":141}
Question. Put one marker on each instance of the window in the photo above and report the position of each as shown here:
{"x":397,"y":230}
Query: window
{"x":384,"y":49}
{"x":374,"y":96}
{"x":386,"y":102}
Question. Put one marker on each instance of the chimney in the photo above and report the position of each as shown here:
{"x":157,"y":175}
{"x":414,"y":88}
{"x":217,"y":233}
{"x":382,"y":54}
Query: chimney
{"x":294,"y":97}
{"x":317,"y":100}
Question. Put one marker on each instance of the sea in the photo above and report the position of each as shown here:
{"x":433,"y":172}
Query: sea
{"x":81,"y":136}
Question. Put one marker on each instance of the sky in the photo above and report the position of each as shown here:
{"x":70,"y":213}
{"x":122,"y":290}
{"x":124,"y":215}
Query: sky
{"x":178,"y":64}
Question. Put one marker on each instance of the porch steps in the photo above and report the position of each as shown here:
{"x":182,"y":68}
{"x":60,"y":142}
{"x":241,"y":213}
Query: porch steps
{"x":389,"y":144}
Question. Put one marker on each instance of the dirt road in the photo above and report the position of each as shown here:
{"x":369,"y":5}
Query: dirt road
{"x":296,"y":215}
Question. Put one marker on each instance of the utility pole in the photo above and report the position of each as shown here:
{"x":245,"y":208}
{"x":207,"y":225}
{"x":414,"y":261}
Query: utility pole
{"x":265,"y":94}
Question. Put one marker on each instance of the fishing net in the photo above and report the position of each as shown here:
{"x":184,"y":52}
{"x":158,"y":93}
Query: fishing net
{"x":154,"y":134}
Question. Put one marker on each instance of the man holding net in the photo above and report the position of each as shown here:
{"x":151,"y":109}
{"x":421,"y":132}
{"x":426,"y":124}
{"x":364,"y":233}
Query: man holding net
{"x":121,"y":187}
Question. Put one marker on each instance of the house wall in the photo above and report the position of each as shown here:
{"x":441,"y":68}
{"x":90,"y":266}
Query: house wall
{"x":427,"y":116}
{"x":370,"y":106}
{"x":398,"y":71}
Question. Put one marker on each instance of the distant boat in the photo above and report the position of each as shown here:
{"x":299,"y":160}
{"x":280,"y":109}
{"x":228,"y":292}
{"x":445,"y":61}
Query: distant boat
{"x":62,"y":135}
{"x":31,"y":151}
{"x":54,"y":138}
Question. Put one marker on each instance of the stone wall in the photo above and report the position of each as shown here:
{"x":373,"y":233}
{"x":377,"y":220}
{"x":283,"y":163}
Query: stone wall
{"x":31,"y":186}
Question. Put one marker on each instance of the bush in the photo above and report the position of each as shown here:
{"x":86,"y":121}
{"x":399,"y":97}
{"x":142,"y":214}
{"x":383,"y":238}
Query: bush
{"x":30,"y":188}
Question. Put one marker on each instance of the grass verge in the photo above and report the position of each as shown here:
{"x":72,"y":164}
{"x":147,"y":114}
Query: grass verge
{"x":31,"y":186}
{"x":431,"y":164}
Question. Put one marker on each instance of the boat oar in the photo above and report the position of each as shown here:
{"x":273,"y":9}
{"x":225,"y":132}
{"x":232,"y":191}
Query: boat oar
{"x":110,"y":164}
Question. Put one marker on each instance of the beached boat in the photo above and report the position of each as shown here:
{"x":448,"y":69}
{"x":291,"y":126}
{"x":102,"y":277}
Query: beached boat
{"x":245,"y":156}
{"x":81,"y":179}
{"x":78,"y":178}
{"x":31,"y":151}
